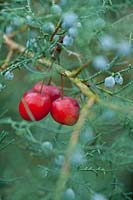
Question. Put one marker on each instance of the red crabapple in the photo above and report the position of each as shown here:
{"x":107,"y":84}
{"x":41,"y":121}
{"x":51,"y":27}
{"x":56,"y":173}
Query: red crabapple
{"x":34,"y":106}
{"x":53,"y":91}
{"x":65,"y":110}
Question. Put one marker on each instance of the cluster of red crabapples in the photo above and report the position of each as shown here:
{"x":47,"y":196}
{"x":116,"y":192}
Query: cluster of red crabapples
{"x":37,"y":102}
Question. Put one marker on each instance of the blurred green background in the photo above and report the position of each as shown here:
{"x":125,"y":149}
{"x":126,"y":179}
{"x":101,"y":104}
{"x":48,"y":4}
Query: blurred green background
{"x":104,"y":155}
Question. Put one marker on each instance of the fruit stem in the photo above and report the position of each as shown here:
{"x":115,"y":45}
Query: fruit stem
{"x":41,"y":86}
{"x":50,"y":80}
{"x":56,"y":30}
{"x":49,"y":69}
{"x":62,"y":86}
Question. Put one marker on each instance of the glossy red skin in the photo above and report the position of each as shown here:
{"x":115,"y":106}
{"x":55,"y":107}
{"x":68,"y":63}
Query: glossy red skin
{"x":38,"y":106}
{"x":28,"y":91}
{"x":53,"y":91}
{"x":65,"y":111}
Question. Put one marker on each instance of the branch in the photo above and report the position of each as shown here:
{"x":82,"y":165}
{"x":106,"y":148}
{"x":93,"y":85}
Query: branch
{"x":70,"y":75}
{"x":65,"y":171}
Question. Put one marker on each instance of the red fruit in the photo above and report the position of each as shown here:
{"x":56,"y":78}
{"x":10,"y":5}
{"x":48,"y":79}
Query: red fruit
{"x":65,"y":110}
{"x":28,"y":91}
{"x":52,"y":91}
{"x":34,"y":106}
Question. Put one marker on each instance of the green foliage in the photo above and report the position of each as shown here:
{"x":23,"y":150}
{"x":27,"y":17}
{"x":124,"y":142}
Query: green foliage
{"x":101,"y":161}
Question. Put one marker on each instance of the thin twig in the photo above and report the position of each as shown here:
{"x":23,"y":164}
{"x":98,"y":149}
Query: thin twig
{"x":56,"y":30}
{"x":84,"y":89}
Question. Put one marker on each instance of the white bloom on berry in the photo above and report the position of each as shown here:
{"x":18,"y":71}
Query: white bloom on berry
{"x":48,"y":27}
{"x":100,"y":63}
{"x":9,"y":29}
{"x":56,"y":9}
{"x":73,"y":32}
{"x":78,"y":157}
{"x":69,"y":194}
{"x":17,"y":21}
{"x":67,"y":40}
{"x":119,"y":79}
{"x":2,"y":87}
{"x":124,"y":48}
{"x":29,"y":19}
{"x":98,"y":197}
{"x":59,"y":161}
{"x":47,"y":146}
{"x":70,"y":19}
{"x":63,"y":2}
{"x":109,"y":82}
{"x":107,"y":42}
{"x":9,"y":75}
{"x":100,"y":23}
{"x":87,"y":135}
